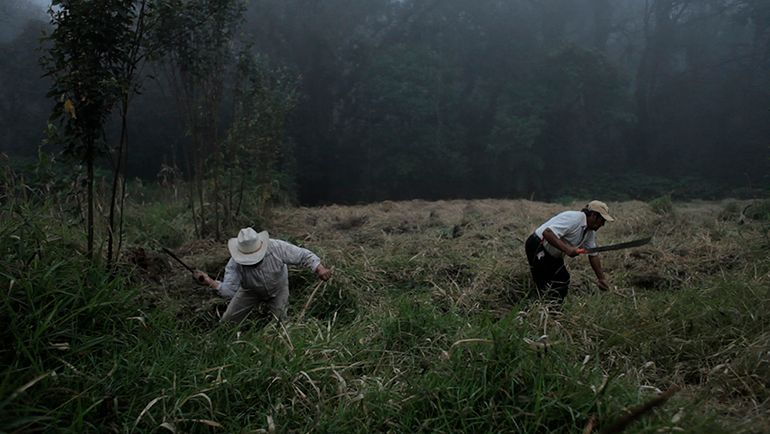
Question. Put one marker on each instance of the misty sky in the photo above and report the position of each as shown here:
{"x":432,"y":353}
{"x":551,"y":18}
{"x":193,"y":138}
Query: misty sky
{"x":40,"y":3}
{"x":14,"y":14}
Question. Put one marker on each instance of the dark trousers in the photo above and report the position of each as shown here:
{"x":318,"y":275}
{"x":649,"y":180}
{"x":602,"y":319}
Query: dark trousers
{"x":549,"y":273}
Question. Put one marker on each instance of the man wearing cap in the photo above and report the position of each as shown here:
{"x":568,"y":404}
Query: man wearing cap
{"x":257,"y":272}
{"x":562,"y":235}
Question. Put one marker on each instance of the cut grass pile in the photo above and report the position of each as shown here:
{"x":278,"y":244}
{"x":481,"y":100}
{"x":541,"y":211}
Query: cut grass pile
{"x":425,"y":327}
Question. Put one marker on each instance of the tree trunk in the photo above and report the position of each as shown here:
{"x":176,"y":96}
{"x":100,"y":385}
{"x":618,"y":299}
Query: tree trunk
{"x":116,"y":176}
{"x":90,"y":196}
{"x":658,"y":32}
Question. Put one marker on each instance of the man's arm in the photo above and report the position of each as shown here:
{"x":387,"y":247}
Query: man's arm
{"x":294,"y":255}
{"x":596,"y":264}
{"x":557,"y":242}
{"x":230,"y":283}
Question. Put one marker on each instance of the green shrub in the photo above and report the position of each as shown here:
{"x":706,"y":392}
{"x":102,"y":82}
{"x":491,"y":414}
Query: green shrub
{"x":759,"y":210}
{"x":167,"y":224}
{"x":662,"y":205}
{"x":730,"y":212}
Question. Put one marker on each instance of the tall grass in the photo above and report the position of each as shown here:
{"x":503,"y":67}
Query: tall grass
{"x":403,"y":341}
{"x":63,"y":317}
{"x":713,"y":337}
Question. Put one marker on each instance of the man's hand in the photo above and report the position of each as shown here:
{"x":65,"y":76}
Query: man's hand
{"x":323,"y":273}
{"x":604,"y":285}
{"x":560,"y":244}
{"x":199,"y":276}
{"x":203,"y":278}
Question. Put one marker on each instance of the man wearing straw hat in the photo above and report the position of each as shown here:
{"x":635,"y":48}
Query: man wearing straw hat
{"x":563,"y":235}
{"x":257,"y":272}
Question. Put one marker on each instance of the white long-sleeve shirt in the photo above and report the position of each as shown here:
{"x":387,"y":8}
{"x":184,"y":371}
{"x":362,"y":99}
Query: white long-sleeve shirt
{"x":271,"y":274}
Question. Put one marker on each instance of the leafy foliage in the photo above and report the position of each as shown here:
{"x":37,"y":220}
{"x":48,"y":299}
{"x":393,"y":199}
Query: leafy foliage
{"x":90,"y":42}
{"x":194,"y":39}
{"x":255,"y":147}
{"x":83,"y":61}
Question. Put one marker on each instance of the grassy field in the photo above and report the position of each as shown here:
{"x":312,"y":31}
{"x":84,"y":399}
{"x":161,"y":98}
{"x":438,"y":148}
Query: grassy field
{"x":426,"y":325}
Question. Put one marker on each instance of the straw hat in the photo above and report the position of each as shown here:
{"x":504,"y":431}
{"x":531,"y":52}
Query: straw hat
{"x":250,"y":247}
{"x":601,"y":208}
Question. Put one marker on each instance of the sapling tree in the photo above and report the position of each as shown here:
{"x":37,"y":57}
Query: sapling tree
{"x":135,"y":49}
{"x":262,"y":97}
{"x":87,"y":47}
{"x":196,"y":38}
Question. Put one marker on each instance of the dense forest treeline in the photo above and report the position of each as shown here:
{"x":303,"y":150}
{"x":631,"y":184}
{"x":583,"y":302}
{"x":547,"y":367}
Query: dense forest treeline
{"x":365,"y":100}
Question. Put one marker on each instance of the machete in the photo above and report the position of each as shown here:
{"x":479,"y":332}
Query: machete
{"x":635,"y":243}
{"x":170,"y":253}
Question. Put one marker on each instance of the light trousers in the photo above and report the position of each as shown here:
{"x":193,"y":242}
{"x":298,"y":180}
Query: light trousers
{"x":245,"y":299}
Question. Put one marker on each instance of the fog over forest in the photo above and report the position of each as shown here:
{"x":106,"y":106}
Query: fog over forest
{"x":347,"y":101}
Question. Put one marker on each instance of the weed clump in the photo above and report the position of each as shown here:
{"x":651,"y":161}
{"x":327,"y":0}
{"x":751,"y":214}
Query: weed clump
{"x":730,"y":212}
{"x":758,"y":210}
{"x":662,"y":205}
{"x":350,"y":222}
